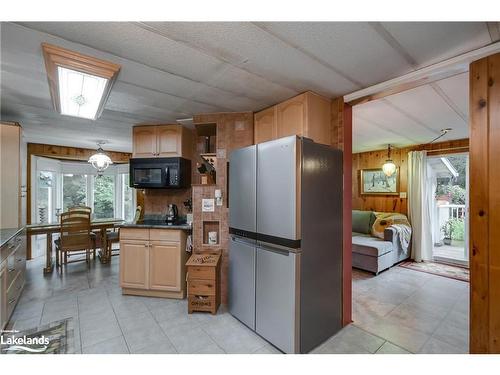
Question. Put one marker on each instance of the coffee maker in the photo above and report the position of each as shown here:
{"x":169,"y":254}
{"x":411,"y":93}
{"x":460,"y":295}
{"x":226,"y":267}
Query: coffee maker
{"x":172,"y":213}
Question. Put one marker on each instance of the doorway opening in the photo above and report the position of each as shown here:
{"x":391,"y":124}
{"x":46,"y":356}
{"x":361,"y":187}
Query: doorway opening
{"x":449,"y":206}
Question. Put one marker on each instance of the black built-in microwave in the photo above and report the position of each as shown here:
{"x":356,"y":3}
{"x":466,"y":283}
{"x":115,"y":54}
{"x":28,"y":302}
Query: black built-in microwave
{"x":162,"y":173}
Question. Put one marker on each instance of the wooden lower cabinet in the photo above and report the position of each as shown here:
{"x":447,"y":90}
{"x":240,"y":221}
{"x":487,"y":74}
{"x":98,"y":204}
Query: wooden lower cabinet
{"x":152,"y":262}
{"x":164,"y":260}
{"x":134,"y":264}
{"x":12,"y":275}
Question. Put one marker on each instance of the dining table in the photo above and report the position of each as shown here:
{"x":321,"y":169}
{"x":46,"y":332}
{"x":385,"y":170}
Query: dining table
{"x":101,"y":225}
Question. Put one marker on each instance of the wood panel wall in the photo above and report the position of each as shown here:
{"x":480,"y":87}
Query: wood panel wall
{"x":234,"y":130}
{"x":375,"y":159}
{"x":341,"y":138}
{"x":484,"y":105}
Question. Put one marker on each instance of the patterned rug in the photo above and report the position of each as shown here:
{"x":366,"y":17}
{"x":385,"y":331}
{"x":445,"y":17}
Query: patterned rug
{"x":453,"y":272}
{"x":52,"y":338}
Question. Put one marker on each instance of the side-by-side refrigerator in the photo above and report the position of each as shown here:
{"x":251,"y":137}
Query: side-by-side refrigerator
{"x":285,"y":253}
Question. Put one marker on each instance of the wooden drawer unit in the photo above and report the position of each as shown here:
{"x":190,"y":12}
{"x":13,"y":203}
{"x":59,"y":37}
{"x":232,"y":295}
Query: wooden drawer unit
{"x":134,"y":234}
{"x":202,"y":272}
{"x":14,"y":292}
{"x":203,"y":277}
{"x":164,"y":235}
{"x":12,"y":275}
{"x":202,"y":303}
{"x":202,"y":287}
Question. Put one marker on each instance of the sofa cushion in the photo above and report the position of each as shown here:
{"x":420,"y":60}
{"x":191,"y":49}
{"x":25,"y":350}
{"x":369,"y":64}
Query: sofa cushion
{"x":362,"y":221}
{"x":370,"y":246}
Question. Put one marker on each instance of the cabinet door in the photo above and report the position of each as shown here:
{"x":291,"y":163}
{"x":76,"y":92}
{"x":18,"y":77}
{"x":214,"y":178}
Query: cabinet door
{"x":134,"y":264}
{"x":291,"y":116}
{"x":169,"y":140}
{"x":144,"y":139}
{"x":165,"y":267}
{"x":265,"y":126}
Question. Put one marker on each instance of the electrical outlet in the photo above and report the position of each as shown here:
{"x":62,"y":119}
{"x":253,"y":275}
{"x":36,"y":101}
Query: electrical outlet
{"x":402,"y":195}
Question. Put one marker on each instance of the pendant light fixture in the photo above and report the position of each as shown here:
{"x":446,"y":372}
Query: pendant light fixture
{"x":389,"y":167}
{"x":100,"y":161}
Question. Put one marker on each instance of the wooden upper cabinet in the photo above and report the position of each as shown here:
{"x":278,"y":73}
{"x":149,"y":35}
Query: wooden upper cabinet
{"x":307,"y":114}
{"x":134,"y":264}
{"x":165,"y":266}
{"x":169,"y":139}
{"x":265,"y":125}
{"x":144,"y":140}
{"x":318,"y":123}
{"x":162,"y":141}
{"x":292,"y":116}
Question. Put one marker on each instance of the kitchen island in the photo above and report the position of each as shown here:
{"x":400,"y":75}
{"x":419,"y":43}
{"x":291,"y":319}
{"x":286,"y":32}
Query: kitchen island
{"x":152,"y":259}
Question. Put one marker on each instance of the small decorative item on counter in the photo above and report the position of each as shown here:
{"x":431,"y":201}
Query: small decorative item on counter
{"x":212,"y":238}
{"x":203,"y":282}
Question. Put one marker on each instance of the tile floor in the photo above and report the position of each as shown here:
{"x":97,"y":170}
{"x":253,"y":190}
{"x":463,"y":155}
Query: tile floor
{"x":399,"y":311}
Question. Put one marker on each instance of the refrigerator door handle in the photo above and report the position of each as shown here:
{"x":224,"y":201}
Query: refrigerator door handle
{"x":245,"y":241}
{"x":275,"y":248}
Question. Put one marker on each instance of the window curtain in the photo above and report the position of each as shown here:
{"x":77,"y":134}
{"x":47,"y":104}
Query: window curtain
{"x":419,"y":200}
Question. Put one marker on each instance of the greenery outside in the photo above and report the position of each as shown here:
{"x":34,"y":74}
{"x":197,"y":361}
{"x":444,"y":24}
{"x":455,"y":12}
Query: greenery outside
{"x":104,"y":197}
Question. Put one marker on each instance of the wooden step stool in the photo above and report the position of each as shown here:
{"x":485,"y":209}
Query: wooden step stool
{"x":203,"y":282}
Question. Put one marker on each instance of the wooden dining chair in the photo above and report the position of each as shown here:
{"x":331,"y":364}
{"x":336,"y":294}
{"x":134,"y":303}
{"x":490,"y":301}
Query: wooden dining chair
{"x":93,"y":235}
{"x":74,"y":237}
{"x":114,"y":235}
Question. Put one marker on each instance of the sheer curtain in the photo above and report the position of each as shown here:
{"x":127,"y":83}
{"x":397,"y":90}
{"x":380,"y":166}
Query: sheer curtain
{"x":419,"y":198}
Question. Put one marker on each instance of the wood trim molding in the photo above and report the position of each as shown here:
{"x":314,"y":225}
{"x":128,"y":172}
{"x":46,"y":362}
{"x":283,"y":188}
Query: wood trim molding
{"x":436,"y":72}
{"x":55,"y":56}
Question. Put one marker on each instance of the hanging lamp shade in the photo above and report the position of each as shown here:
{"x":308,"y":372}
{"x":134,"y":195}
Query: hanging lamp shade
{"x":389,"y":168}
{"x":100,"y":161}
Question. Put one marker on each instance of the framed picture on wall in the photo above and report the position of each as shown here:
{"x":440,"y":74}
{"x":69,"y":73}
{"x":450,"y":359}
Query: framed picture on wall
{"x":375,"y":182}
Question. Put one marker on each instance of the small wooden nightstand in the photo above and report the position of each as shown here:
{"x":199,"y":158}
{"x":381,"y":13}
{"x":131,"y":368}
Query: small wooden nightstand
{"x":203,"y":282}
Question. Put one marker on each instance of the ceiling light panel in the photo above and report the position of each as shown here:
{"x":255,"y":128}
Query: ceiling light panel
{"x":80,"y":93}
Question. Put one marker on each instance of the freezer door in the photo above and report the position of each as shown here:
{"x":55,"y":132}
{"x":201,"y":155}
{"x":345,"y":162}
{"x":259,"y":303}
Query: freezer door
{"x":242,"y":280}
{"x":242,"y":189}
{"x":276,"y":305}
{"x":277,"y":188}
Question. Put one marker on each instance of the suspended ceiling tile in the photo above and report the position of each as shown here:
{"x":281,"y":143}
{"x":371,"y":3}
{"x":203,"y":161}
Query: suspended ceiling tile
{"x":351,"y":47}
{"x":430,"y":42}
{"x":457,"y":89}
{"x":258,"y":52}
{"x":131,"y":42}
{"x":428,"y":107}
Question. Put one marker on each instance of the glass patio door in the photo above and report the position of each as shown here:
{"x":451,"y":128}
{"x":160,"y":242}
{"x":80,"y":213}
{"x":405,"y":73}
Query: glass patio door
{"x":450,"y":207}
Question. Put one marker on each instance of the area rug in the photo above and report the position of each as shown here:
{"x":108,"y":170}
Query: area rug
{"x":445,"y":270}
{"x":52,"y":338}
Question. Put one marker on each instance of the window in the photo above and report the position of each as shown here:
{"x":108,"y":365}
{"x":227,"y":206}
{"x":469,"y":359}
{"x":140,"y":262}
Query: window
{"x":63,"y":184}
{"x":104,"y":196}
{"x":74,"y":190}
{"x":128,"y":195}
{"x":45,"y":196}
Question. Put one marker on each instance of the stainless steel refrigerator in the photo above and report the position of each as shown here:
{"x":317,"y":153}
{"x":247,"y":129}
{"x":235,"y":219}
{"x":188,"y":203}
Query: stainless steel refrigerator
{"x":285,"y":253}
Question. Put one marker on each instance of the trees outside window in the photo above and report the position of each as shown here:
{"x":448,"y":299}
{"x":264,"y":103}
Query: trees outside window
{"x":74,"y":190}
{"x":104,"y":197}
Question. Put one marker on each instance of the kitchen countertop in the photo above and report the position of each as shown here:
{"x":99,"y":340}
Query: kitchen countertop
{"x":155,"y":224}
{"x":7,"y":234}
